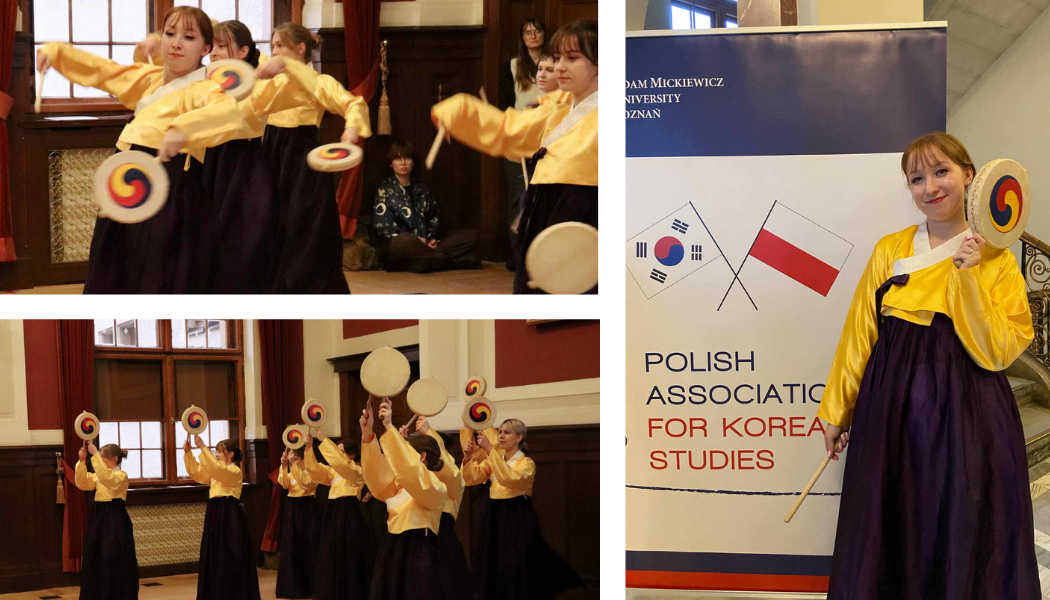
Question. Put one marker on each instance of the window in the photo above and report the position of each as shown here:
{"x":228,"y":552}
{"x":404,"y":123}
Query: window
{"x":111,"y":28}
{"x":256,"y":14}
{"x":703,"y":14}
{"x":108,"y":28}
{"x":126,"y":333}
{"x":148,"y":372}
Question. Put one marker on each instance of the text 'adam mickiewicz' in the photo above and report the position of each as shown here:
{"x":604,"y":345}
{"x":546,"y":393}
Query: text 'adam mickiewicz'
{"x":663,"y":82}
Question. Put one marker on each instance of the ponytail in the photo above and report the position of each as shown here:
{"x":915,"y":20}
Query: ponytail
{"x":114,"y":451}
{"x":424,"y":444}
{"x":293,"y":34}
{"x":235,"y":452}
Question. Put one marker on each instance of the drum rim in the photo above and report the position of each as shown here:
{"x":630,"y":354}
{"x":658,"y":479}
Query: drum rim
{"x":530,"y":254}
{"x":357,"y":156}
{"x":247,"y":85}
{"x":80,"y":419}
{"x":406,"y":363}
{"x":185,"y":415}
{"x":303,"y":433}
{"x":438,"y":388}
{"x":484,"y":387}
{"x":109,"y":209}
{"x":979,"y":219}
{"x":479,"y":426}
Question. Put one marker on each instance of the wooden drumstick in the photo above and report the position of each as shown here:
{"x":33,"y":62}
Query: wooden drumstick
{"x":39,"y":91}
{"x":149,"y":57}
{"x":481,"y":94}
{"x":525,"y":173}
{"x":809,"y":486}
{"x":410,"y":421}
{"x":432,"y":155}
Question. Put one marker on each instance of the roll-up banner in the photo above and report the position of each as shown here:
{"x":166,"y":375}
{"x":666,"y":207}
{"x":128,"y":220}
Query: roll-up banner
{"x":762,"y":167}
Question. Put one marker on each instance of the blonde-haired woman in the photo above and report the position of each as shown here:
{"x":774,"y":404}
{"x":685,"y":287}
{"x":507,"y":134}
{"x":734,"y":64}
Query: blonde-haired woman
{"x":511,"y":559}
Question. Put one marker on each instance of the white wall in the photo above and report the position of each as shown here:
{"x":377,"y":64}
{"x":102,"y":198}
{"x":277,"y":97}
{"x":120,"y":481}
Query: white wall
{"x":852,"y":12}
{"x":636,"y":14}
{"x":419,"y":13}
{"x":450,"y":351}
{"x":1006,"y":114}
{"x":14,"y":418}
{"x":423,"y":13}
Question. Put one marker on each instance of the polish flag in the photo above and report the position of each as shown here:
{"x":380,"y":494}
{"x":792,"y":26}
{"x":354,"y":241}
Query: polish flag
{"x":801,"y":249}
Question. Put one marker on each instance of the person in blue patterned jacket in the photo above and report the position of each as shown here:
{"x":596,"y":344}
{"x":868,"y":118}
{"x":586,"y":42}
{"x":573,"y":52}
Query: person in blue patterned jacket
{"x":408,"y":220}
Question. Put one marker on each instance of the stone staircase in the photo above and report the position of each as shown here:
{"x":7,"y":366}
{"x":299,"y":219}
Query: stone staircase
{"x":1030,"y":382}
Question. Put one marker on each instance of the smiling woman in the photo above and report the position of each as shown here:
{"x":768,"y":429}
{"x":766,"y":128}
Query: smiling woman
{"x":941,"y":332}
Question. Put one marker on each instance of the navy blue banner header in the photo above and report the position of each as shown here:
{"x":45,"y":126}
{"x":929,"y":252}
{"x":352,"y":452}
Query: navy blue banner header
{"x":794,"y":93}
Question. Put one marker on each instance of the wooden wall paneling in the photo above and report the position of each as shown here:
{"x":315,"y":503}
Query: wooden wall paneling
{"x":42,"y":137}
{"x":425,"y":64}
{"x":31,"y":556}
{"x":567,"y":11}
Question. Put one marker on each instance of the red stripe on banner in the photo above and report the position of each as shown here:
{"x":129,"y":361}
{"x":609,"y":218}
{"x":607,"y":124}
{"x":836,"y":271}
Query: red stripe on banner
{"x":726,"y":581}
{"x":794,"y":262}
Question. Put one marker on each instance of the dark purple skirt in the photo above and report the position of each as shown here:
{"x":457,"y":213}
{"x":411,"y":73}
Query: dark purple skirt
{"x":238,"y":253}
{"x":408,"y":567}
{"x":935,"y":498}
{"x":300,"y":526}
{"x":227,"y":565}
{"x":511,"y":560}
{"x":453,"y":559}
{"x":309,"y":236}
{"x":158,"y":255}
{"x":344,"y":553}
{"x":111,"y":571}
{"x":548,"y":204}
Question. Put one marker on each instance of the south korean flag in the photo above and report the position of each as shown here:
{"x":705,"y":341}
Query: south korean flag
{"x":670,"y":250}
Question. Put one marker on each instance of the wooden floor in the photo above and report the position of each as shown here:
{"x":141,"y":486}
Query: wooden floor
{"x":491,"y":278}
{"x":176,"y":587}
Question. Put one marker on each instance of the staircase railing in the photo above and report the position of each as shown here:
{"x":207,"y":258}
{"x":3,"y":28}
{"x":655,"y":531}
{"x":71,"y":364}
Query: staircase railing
{"x":1035,"y":265}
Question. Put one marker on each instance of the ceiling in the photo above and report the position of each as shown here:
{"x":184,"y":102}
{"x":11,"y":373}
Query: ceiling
{"x":979,"y":31}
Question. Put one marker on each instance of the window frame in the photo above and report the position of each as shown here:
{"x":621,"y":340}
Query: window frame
{"x":168,"y":356}
{"x":280,"y":11}
{"x":720,"y":9}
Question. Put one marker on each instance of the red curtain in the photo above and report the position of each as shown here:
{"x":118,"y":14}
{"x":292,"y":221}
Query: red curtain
{"x":76,"y":351}
{"x":361,"y":31}
{"x":282,"y":399}
{"x":8,"y":15}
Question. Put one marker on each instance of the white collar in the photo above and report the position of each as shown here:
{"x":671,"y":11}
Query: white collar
{"x":922,"y":256}
{"x":172,"y":86}
{"x":576,"y":114}
{"x":398,"y":499}
{"x":514,"y":459}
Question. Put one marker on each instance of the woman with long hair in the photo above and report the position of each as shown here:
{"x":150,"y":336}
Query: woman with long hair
{"x":176,"y":111}
{"x":559,"y":139}
{"x":519,"y":89}
{"x":227,"y":568}
{"x":310,"y":236}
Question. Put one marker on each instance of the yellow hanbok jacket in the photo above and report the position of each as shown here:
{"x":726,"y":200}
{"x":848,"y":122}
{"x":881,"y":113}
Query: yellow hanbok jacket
{"x":568,"y":132}
{"x":225,"y":480}
{"x":451,"y":476}
{"x":341,"y":474}
{"x":297,"y":481}
{"x":199,"y":108}
{"x":511,"y":477}
{"x":107,"y":484}
{"x":327,"y":94}
{"x":987,"y":304}
{"x":414,"y":495}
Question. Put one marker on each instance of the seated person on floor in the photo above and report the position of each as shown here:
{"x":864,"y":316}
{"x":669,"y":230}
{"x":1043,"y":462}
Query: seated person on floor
{"x":408,"y":221}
